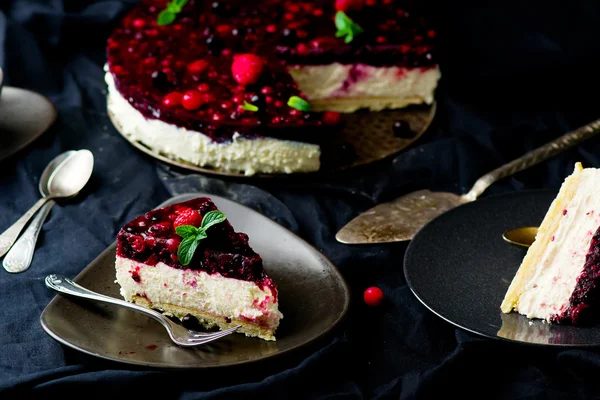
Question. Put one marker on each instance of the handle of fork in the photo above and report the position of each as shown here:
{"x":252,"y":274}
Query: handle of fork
{"x":534,"y":157}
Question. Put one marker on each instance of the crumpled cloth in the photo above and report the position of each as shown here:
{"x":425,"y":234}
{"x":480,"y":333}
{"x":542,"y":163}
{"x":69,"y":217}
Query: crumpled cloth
{"x":513,"y":78}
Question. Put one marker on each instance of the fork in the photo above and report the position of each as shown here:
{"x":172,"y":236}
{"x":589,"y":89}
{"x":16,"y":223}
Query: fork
{"x":180,"y":335}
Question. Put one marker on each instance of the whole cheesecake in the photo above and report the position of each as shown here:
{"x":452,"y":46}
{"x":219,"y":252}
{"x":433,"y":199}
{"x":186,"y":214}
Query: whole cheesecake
{"x":258,"y":88}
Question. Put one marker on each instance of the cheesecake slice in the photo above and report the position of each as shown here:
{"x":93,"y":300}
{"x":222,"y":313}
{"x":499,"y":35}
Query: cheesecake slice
{"x":187,"y":261}
{"x":559,"y":276}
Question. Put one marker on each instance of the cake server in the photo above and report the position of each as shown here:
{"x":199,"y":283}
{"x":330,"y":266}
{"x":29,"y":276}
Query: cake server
{"x":402,"y":218}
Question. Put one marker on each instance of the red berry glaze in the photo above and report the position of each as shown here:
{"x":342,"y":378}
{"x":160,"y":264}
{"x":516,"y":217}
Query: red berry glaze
{"x":347,"y":5}
{"x":373,"y":296}
{"x":246,"y":68}
{"x":192,"y":100}
{"x":197,"y":67}
{"x":172,"y":99}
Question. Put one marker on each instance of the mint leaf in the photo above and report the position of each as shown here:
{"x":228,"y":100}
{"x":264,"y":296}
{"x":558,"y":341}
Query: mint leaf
{"x":173,"y":7}
{"x":346,"y":27}
{"x":298,"y":103}
{"x":249,"y":107}
{"x":186,"y":231}
{"x":165,"y":17}
{"x":201,"y":235}
{"x":180,"y":3}
{"x":186,"y":250}
{"x":211,"y":218}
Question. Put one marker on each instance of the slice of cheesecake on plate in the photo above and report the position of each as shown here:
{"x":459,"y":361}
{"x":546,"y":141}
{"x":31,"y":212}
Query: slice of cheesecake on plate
{"x":186,"y":260}
{"x":558,"y":279}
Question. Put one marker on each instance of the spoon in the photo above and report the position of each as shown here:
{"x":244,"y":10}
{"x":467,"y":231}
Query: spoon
{"x":523,"y":237}
{"x":66,"y":181}
{"x":19,"y":258}
{"x":400,"y":219}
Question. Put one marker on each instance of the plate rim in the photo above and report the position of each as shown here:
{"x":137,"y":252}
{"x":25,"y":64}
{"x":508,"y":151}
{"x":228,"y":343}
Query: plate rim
{"x":33,"y":138}
{"x":410,"y":249}
{"x":296,"y":175}
{"x":342,"y":315}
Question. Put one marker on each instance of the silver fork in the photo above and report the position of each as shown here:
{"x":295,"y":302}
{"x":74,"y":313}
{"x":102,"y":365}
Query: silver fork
{"x":182,"y":336}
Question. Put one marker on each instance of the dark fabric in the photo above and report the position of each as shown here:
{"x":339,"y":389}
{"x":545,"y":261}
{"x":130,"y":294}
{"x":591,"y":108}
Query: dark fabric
{"x":515,"y":75}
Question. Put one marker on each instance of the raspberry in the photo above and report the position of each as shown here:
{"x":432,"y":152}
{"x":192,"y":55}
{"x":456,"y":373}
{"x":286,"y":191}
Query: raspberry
{"x":188,"y":216}
{"x":346,"y":5}
{"x":246,"y":68}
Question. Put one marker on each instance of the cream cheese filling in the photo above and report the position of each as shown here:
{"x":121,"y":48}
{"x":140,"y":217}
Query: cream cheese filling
{"x":195,"y":289}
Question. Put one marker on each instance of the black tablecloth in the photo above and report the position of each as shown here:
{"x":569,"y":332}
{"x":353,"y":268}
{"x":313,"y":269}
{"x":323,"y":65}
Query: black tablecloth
{"x":515,"y":75}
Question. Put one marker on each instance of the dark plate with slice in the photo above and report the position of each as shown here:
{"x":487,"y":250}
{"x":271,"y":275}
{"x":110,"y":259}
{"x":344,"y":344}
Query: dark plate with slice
{"x":459,"y":267}
{"x":313,"y":299}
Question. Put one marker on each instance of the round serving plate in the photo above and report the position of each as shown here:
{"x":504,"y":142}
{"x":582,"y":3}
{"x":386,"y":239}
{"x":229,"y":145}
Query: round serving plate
{"x":369,"y":137}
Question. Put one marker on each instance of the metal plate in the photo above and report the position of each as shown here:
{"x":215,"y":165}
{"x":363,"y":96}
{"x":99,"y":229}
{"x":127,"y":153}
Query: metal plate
{"x":24,"y":116}
{"x":459,"y":267}
{"x":313,"y":299}
{"x":369,"y":133}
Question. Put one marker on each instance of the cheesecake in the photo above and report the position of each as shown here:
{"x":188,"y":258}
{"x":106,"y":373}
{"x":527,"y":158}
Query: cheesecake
{"x":250,"y":88}
{"x":558,"y":278}
{"x":187,"y":261}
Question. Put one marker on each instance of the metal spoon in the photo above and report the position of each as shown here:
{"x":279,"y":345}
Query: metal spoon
{"x":19,"y":258}
{"x":66,"y":181}
{"x":522,"y":237}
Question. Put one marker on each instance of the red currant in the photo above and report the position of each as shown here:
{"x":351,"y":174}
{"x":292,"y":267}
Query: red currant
{"x":373,"y":296}
{"x":172,"y":99}
{"x":192,"y":100}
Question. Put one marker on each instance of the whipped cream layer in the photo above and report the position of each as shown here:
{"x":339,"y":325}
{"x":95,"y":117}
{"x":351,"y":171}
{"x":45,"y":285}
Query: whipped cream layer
{"x":548,"y":291}
{"x":248,"y":156}
{"x":214,"y":294}
{"x":366,"y":83}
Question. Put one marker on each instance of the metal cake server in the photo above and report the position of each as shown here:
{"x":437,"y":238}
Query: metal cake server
{"x":403,"y":217}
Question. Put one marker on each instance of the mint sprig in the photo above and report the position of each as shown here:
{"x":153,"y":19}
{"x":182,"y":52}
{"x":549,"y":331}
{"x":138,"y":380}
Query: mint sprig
{"x":168,"y":15}
{"x":298,"y":103}
{"x":249,"y":107}
{"x":192,"y":235}
{"x":346,"y":27}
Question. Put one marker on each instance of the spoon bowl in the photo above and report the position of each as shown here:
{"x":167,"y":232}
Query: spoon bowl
{"x":71,"y":175}
{"x":522,"y":237}
{"x":49,"y":170}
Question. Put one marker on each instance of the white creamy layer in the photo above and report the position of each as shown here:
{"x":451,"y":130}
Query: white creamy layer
{"x":265,"y":155}
{"x":549,"y":290}
{"x":337,"y":80}
{"x":214,"y":293}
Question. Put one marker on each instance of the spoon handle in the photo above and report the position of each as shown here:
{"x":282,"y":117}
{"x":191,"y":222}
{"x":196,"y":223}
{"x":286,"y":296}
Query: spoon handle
{"x":534,"y":157}
{"x":9,"y":236}
{"x":19,"y":258}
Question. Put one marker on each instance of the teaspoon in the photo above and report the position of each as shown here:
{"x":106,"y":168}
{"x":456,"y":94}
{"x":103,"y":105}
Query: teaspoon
{"x":68,"y":179}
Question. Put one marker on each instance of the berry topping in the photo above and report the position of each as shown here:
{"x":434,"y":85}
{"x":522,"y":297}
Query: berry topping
{"x":247,"y":68}
{"x":332,"y":117}
{"x":192,"y":100}
{"x":187,"y":216}
{"x":196,"y":67}
{"x":373,"y":296}
{"x":347,"y":5}
{"x":172,"y":99}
